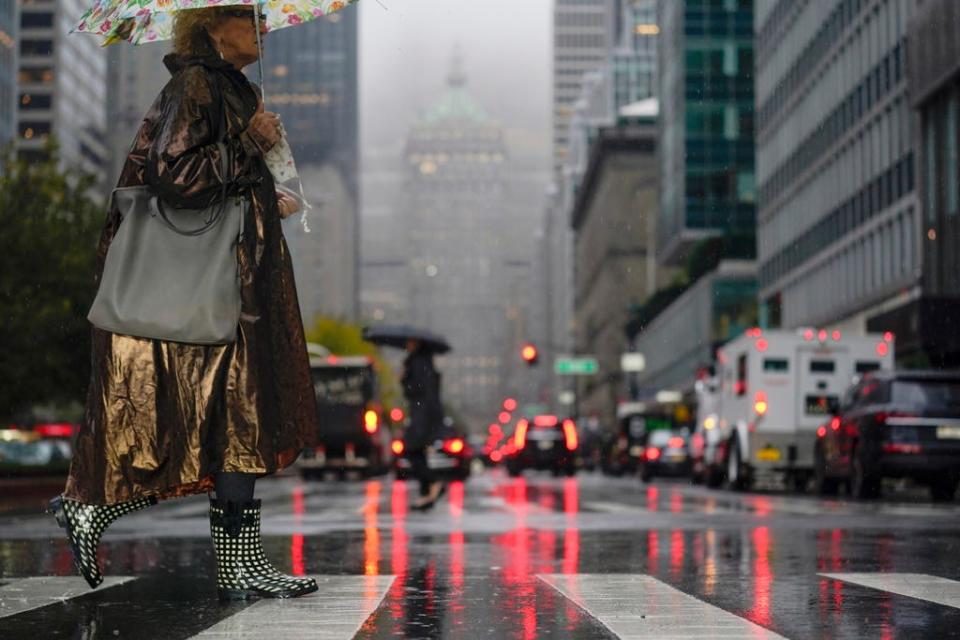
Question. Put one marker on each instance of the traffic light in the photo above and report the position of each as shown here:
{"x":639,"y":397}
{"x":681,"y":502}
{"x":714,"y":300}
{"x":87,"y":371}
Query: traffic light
{"x":529,"y":354}
{"x":509,"y":404}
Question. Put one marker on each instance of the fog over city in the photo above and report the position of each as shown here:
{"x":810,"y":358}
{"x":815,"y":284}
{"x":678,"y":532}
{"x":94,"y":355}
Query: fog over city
{"x":405,"y":54}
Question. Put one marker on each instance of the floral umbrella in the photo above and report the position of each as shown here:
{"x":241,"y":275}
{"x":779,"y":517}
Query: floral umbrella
{"x":143,"y":21}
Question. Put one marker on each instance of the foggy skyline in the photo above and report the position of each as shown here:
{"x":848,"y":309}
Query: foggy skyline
{"x":406,"y":52}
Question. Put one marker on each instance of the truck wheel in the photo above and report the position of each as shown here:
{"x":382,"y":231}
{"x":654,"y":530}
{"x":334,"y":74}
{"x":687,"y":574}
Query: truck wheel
{"x":823,"y":485}
{"x":943,"y":489}
{"x":864,"y":483}
{"x":737,"y":476}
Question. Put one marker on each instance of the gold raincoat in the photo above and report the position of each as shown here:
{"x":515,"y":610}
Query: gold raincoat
{"x":162,"y":417}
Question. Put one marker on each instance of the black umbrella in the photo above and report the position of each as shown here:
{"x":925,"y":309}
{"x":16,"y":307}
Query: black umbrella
{"x":396,"y":335}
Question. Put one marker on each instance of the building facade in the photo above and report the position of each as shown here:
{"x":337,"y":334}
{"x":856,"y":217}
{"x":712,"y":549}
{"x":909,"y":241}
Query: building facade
{"x":614,"y":223}
{"x":9,"y":26}
{"x":583,"y":35}
{"x":62,"y":81}
{"x":311,"y":80}
{"x":839,"y":218}
{"x":705,"y":74}
{"x":929,"y":326}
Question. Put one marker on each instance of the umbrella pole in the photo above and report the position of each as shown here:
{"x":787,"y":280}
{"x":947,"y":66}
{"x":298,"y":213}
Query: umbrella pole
{"x":256,"y":20}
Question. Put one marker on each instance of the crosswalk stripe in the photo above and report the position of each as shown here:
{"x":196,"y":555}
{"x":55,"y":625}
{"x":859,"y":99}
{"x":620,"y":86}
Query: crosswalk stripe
{"x":335,"y":612}
{"x":635,"y":606}
{"x":915,"y":585}
{"x":25,"y":594}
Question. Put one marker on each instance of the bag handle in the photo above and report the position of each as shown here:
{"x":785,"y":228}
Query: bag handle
{"x":225,"y":164}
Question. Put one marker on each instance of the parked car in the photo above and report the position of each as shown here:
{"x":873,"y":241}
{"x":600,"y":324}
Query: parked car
{"x":665,"y":454}
{"x":352,"y":435}
{"x":544,"y":442}
{"x":450,"y":456}
{"x":893,"y":424}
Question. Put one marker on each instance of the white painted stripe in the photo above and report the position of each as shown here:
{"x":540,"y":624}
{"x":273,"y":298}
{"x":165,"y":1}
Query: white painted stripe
{"x":915,"y":585}
{"x":25,"y":594}
{"x":335,"y":612}
{"x":635,"y":606}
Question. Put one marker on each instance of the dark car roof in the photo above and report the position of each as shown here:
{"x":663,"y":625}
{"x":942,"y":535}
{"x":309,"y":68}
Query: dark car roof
{"x":913,"y":374}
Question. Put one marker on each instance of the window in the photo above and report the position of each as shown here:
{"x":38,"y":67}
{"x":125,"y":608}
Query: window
{"x":740,"y":387}
{"x":36,"y":47}
{"x":865,"y":366}
{"x":952,"y":162}
{"x":822,"y":366}
{"x":776,"y":365}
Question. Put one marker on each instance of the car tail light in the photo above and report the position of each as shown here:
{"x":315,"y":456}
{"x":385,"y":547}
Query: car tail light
{"x":760,"y":403}
{"x":675,"y":443}
{"x":836,"y":335}
{"x":882,"y":349}
{"x":496,"y":456}
{"x":371,"y":422}
{"x":520,"y":437}
{"x":55,"y":430}
{"x":762,"y":345}
{"x":570,"y":434}
{"x":822,"y":432}
{"x":397,"y":447}
{"x":652,"y":453}
{"x":453,"y":446}
{"x":835,"y":423}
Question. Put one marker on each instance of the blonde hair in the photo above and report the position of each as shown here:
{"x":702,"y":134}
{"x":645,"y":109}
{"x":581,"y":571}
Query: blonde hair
{"x":190,"y":27}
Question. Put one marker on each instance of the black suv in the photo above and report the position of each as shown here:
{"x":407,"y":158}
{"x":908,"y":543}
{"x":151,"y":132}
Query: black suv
{"x":893,"y":424}
{"x":544,"y":442}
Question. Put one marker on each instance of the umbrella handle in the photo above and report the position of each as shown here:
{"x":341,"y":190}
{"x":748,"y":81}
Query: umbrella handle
{"x":256,"y":21}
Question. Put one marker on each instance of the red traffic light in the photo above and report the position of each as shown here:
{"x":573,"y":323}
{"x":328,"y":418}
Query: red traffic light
{"x":529,"y":353}
{"x":509,"y":404}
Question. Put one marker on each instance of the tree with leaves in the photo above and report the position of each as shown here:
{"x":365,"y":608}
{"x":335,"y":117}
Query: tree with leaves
{"x":51,"y":225}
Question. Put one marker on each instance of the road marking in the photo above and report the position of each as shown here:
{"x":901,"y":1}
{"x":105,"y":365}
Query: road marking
{"x":635,"y":606}
{"x":24,"y":594}
{"x":914,"y":585}
{"x":614,"y":507}
{"x":336,"y":612}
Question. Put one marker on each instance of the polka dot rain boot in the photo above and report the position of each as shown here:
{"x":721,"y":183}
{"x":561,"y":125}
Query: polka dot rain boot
{"x":243,"y":570}
{"x":84,"y":524}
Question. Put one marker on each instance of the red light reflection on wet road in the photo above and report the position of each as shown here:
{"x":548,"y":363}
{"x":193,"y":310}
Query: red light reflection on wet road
{"x":762,"y":577}
{"x":371,"y":530}
{"x":653,"y":498}
{"x":676,"y":553}
{"x":296,"y":540}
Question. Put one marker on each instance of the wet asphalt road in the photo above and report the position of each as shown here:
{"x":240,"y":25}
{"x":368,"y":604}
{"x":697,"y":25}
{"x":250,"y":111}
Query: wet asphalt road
{"x":535,"y":557}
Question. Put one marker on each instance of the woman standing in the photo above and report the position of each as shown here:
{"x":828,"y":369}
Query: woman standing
{"x":166,"y":419}
{"x":421,"y":388}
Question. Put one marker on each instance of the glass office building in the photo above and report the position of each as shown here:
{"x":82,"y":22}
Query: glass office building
{"x":8,"y":71}
{"x":706,"y":93}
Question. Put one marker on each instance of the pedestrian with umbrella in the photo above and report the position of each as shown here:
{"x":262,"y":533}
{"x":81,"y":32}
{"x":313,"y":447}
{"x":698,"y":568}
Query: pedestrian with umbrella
{"x":169,"y":414}
{"x":421,"y":387}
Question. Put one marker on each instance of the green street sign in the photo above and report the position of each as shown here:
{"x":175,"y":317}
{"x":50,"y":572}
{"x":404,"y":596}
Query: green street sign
{"x":586,"y":366}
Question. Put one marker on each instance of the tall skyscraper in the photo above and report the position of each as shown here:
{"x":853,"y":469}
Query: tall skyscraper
{"x":62,"y":86}
{"x":311,"y":81}
{"x":838,"y":224}
{"x":582,"y":42}
{"x":8,"y":71}
{"x":634,"y":57}
{"x":705,"y":69}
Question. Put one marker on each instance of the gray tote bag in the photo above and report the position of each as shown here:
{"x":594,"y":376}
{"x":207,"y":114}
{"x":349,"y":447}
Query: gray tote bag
{"x":172,"y":274}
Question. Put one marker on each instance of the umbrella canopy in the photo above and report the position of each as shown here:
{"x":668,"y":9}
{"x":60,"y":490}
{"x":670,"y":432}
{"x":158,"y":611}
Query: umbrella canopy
{"x":142,"y":21}
{"x":397,"y":336}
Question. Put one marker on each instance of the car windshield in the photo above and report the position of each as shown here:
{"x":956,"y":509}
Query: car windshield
{"x":929,"y":394}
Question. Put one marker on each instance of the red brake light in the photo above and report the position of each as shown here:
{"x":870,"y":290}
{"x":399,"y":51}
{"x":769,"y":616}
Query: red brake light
{"x":821,"y":432}
{"x":56,"y":430}
{"x":453,"y":446}
{"x":888,"y":336}
{"x":510,"y":404}
{"x":762,"y":345}
{"x":882,"y":349}
{"x":397,"y":447}
{"x":570,"y":434}
{"x":545,"y":421}
{"x":371,"y":421}
{"x":835,"y":424}
{"x":675,"y":443}
{"x":396,"y":414}
{"x":504,"y":417}
{"x":652,"y":453}
{"x":520,"y":437}
{"x":808,"y":335}
{"x":496,"y":456}
{"x":836,"y":336}
{"x":822,"y":335}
